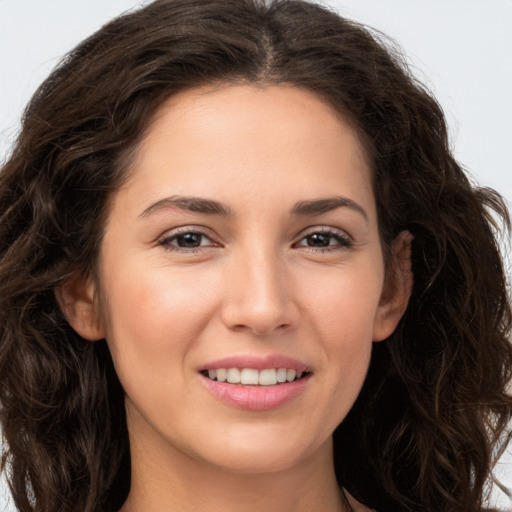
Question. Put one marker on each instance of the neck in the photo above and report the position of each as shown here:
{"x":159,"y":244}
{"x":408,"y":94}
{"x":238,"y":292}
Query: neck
{"x":165,"y":479}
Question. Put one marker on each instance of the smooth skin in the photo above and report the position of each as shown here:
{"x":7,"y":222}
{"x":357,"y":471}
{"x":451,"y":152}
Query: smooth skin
{"x":249,"y":276}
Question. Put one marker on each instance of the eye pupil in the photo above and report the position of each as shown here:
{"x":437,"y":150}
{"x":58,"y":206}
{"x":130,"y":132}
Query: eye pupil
{"x":318,"y":240}
{"x":189,"y":240}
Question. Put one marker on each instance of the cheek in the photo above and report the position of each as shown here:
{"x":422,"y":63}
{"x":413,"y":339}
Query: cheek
{"x":343,"y":316}
{"x":155,"y":318}
{"x":344,"y":304}
{"x":156,"y":301}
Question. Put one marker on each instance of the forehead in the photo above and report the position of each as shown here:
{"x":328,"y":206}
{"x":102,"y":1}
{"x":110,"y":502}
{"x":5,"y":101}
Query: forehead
{"x":244,"y":141}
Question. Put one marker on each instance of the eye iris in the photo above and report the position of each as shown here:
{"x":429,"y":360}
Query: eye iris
{"x":189,"y":240}
{"x":318,"y":240}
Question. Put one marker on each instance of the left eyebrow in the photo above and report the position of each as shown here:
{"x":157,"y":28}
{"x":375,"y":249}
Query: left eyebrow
{"x":319,"y":206}
{"x":189,"y":204}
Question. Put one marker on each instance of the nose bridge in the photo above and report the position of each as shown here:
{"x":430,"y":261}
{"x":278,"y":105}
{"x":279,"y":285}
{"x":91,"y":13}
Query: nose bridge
{"x":259,"y":298}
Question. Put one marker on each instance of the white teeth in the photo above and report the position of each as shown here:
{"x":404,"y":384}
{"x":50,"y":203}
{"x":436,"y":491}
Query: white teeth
{"x":290,"y":375}
{"x":253,"y":377}
{"x":281,"y":375}
{"x":233,"y":375}
{"x":268,"y":378}
{"x":249,"y":376}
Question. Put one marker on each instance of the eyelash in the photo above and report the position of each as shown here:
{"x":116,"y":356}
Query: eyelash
{"x":166,"y":241}
{"x":344,"y":242}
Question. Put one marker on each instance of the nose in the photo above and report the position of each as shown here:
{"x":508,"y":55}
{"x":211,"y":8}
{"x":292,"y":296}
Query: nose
{"x":259,"y":296}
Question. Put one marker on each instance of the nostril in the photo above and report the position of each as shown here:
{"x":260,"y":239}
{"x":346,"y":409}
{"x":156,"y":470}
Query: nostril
{"x":259,"y":317}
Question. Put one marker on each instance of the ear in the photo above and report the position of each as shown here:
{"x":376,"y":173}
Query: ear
{"x":76,"y":299}
{"x":397,"y":288}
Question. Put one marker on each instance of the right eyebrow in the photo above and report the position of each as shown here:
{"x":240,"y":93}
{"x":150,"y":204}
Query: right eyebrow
{"x":188,"y":204}
{"x":319,"y":206}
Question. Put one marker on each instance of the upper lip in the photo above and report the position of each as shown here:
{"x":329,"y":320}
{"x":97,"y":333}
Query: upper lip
{"x":257,"y":362}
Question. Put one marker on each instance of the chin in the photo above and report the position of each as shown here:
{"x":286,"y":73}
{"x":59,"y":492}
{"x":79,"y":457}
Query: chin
{"x":262,"y":463}
{"x":245,"y":454}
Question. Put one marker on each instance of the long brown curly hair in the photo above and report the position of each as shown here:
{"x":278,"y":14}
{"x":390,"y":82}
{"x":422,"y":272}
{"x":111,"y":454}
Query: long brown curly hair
{"x":424,"y":431}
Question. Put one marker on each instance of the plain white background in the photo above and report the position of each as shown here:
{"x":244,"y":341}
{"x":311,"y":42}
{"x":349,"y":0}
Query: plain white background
{"x":461,"y":49}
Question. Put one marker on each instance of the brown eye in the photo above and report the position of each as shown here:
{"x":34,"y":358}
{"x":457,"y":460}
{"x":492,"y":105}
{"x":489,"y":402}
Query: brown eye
{"x":189,"y":240}
{"x":319,"y":240}
{"x":325,"y":240}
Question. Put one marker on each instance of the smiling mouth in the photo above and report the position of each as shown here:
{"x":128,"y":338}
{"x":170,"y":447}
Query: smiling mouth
{"x":254,"y":377}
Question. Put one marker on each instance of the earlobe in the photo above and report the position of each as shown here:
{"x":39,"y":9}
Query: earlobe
{"x":397,"y":288}
{"x":76,"y":300}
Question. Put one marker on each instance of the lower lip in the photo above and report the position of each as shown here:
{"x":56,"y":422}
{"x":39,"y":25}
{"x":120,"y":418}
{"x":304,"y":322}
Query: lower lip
{"x":256,"y":398}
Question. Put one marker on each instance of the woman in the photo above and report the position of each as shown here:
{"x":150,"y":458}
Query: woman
{"x":241,"y":269}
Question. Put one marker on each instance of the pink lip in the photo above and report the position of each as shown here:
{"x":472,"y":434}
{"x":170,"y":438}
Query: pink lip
{"x":258,"y":363}
{"x":256,"y":398}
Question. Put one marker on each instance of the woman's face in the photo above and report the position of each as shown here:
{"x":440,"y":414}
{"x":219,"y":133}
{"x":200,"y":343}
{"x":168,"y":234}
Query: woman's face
{"x":244,"y":245}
